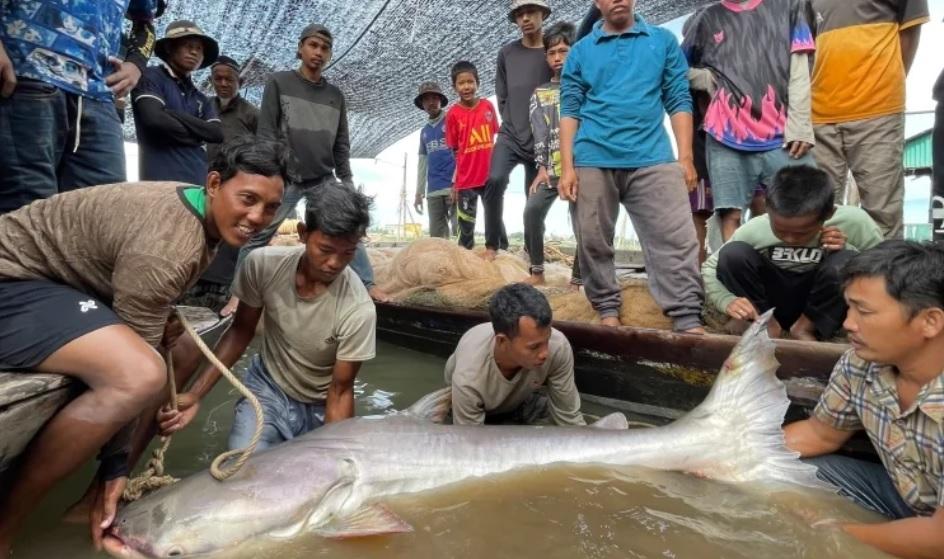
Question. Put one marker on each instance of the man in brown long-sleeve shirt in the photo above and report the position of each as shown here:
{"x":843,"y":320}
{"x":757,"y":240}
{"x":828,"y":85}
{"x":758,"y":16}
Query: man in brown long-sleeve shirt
{"x":87,"y":280}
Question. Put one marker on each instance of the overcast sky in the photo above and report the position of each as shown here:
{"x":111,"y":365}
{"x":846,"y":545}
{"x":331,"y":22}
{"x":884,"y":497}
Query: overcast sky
{"x":383,"y":179}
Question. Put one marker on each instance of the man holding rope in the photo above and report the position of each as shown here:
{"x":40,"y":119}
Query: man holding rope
{"x":319,"y":327}
{"x":87,"y":280}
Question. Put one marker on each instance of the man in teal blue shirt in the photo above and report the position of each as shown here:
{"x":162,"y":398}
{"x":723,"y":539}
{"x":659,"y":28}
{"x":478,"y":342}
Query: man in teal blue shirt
{"x":619,"y":82}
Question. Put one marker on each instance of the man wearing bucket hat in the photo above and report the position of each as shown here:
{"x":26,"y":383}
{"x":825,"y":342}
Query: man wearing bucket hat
{"x":172,"y":117}
{"x":521,"y":68}
{"x":436,"y":162}
{"x":61,"y":70}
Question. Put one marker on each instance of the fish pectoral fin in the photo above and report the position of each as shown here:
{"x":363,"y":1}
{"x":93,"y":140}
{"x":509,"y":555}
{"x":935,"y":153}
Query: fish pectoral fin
{"x":433,"y":407}
{"x":615,"y":421}
{"x":371,"y":520}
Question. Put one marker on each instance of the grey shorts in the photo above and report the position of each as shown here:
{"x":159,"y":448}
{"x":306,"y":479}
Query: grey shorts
{"x":736,"y":174}
{"x":284,"y":417}
{"x":38,"y":317}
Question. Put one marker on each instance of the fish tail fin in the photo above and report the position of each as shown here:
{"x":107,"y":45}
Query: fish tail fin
{"x":743,"y":418}
{"x":434,"y":407}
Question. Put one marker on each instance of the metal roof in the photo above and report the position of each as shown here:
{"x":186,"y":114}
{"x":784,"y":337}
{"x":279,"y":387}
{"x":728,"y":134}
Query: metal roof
{"x":383,"y":49}
{"x":918,"y":157}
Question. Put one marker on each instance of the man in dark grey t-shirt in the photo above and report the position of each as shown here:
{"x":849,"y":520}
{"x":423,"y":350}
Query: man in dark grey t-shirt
{"x":521,"y":69}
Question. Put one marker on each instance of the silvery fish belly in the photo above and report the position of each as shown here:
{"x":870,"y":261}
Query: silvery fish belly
{"x":332,"y":481}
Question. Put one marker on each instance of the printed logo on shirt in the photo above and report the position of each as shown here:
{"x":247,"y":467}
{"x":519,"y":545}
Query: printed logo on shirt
{"x":719,"y":37}
{"x":796,"y":255}
{"x":480,"y":138}
{"x":330,"y":340}
{"x":86,"y":306}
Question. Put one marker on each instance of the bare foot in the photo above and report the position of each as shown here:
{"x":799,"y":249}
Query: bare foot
{"x":535,"y":279}
{"x":774,"y":330}
{"x":378,"y":295}
{"x":698,"y":331}
{"x":611,"y":321}
{"x":230,"y":307}
{"x":490,"y":254}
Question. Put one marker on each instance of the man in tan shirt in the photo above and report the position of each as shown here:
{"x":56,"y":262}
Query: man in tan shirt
{"x":87,"y":280}
{"x":319,"y":326}
{"x":516,"y":369}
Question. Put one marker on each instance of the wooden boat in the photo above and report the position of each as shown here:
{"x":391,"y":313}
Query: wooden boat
{"x":649,"y":372}
{"x":28,"y":400}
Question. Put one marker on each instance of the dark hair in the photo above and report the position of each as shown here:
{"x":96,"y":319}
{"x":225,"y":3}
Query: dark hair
{"x":801,"y":190}
{"x":337,"y":210}
{"x":560,"y":32}
{"x":913,"y":272}
{"x":256,"y":156}
{"x":514,"y":301}
{"x":463,"y":66}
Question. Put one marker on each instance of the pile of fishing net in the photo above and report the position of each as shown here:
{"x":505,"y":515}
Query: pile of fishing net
{"x":439,"y":273}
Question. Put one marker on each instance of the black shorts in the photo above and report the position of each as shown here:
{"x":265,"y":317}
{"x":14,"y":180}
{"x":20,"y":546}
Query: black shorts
{"x":37,"y":317}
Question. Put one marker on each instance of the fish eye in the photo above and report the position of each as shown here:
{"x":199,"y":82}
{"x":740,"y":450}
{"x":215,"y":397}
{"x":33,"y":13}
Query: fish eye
{"x":175,"y":552}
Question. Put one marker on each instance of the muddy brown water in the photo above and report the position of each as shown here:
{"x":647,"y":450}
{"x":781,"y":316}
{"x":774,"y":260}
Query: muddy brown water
{"x":557,"y":512}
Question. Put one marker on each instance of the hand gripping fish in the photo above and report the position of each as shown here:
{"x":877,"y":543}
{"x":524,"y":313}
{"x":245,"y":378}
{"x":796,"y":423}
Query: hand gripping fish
{"x":333,"y":481}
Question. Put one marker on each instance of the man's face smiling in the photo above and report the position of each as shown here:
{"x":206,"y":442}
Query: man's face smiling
{"x":242,"y":206}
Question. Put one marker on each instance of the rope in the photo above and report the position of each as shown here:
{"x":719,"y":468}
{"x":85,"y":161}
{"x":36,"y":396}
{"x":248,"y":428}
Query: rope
{"x":153,"y":476}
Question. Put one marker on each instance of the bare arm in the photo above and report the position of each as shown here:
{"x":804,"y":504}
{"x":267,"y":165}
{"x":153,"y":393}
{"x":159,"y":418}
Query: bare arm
{"x":911,"y":538}
{"x":909,"y":45}
{"x":7,"y":74}
{"x":341,"y":391}
{"x":231,"y":346}
{"x":568,"y":181}
{"x":683,"y":126}
{"x":811,"y":437}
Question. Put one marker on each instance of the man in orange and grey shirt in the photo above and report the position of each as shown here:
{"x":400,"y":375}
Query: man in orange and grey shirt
{"x":864,"y":49}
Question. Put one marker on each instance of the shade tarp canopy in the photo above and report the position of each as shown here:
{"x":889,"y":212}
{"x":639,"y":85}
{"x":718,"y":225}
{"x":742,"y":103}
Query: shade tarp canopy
{"x":383,"y":49}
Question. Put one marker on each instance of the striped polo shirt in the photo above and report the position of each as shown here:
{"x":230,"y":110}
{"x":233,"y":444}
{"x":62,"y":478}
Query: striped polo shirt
{"x":859,"y":72}
{"x":864,"y":395}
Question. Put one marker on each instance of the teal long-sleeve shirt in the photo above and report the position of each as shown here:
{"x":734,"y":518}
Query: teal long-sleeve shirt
{"x":620,"y":88}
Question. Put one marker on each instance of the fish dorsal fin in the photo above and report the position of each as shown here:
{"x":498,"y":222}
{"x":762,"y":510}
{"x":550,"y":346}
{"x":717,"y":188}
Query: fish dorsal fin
{"x":432,"y":407}
{"x":371,"y":520}
{"x":615,"y":421}
{"x":334,"y":498}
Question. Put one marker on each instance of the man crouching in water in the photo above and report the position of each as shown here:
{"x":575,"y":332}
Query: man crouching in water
{"x":319,"y":326}
{"x":516,"y":369}
{"x":87,"y":280}
{"x":891,"y":386}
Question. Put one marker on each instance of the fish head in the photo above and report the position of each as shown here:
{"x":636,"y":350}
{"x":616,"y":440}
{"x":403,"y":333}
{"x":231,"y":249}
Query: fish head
{"x":185,"y":522}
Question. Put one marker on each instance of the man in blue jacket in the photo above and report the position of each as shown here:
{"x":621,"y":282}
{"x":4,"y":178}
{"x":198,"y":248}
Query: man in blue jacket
{"x":618,"y":84}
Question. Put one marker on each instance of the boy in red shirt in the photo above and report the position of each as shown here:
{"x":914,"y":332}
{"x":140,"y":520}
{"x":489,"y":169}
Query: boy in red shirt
{"x":471,"y":125}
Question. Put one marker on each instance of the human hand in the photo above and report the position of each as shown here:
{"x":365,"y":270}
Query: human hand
{"x":169,"y":421}
{"x":568,"y":185}
{"x":105,"y":507}
{"x":173,"y":329}
{"x":798,"y":149}
{"x":741,"y":309}
{"x":690,"y":174}
{"x":124,"y":77}
{"x":831,"y":238}
{"x":541,"y":178}
{"x":418,"y":203}
{"x":7,"y":74}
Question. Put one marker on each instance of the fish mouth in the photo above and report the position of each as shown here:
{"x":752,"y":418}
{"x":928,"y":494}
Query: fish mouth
{"x":117,"y":546}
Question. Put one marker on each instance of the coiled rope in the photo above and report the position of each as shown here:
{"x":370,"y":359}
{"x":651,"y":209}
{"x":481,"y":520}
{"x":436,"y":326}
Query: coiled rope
{"x":153,"y":477}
